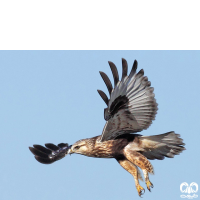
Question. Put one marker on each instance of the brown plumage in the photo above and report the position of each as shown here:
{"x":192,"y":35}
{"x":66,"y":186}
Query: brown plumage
{"x":130,"y":109}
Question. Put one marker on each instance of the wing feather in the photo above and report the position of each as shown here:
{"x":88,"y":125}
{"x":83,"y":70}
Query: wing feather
{"x":124,"y":68}
{"x":107,"y":82}
{"x":134,"y":68}
{"x":103,"y":96}
{"x":114,"y":72}
{"x":132,"y":106}
{"x":50,"y":154}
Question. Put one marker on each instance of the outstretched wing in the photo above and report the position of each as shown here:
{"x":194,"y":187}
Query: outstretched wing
{"x":132,"y":106}
{"x":51,"y":153}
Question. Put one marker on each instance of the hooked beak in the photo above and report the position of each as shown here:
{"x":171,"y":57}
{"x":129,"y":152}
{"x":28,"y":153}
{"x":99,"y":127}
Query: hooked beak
{"x":70,"y":150}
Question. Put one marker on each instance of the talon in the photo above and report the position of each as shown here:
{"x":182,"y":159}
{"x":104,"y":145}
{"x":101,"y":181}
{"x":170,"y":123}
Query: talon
{"x":149,"y":185}
{"x":140,"y":190}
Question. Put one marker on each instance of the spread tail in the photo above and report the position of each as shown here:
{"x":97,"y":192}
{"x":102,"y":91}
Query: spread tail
{"x":163,"y":145}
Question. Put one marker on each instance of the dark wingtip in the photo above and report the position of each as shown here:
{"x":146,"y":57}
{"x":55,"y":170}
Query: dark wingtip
{"x":43,"y":149}
{"x":44,"y":160}
{"x":103,"y":96}
{"x":106,"y":81}
{"x":37,"y":152}
{"x":135,"y":63}
{"x":141,"y":73}
{"x":114,"y":72}
{"x":50,"y":154}
{"x":30,"y":148}
{"x":124,"y":61}
{"x":61,"y":145}
{"x":52,"y":146}
{"x":134,"y":68}
{"x":124,"y":68}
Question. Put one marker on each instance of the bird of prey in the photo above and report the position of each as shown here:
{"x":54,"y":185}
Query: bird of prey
{"x":130,"y":109}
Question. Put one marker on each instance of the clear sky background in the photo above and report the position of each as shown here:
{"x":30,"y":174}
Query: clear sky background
{"x":51,"y":96}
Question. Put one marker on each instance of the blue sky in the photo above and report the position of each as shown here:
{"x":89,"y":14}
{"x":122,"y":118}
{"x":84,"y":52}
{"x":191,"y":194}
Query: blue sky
{"x":51,"y":96}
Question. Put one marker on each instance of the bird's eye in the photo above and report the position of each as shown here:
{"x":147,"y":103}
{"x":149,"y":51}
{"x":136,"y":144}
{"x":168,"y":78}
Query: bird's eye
{"x":76,"y":147}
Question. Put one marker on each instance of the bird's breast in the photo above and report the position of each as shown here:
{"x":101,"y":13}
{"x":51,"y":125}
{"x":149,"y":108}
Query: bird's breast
{"x":108,"y":149}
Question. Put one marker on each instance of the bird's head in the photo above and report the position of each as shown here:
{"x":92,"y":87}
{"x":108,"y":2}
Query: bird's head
{"x":79,"y":147}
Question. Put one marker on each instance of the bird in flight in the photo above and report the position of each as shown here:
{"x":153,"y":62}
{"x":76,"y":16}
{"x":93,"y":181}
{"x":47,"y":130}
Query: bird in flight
{"x":130,"y":109}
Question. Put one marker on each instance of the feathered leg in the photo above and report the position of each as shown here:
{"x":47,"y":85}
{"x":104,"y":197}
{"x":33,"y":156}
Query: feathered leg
{"x":142,"y":162}
{"x":133,"y":170}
